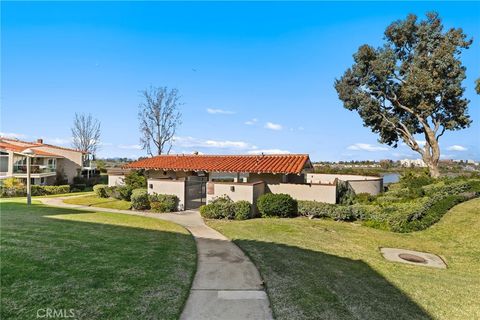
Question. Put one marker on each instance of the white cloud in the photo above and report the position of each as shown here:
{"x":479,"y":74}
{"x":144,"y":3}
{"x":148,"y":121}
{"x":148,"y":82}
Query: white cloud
{"x":13,"y":135}
{"x":457,"y":147}
{"x":190,"y":142}
{"x":268,"y":151}
{"x":251,"y":122}
{"x":366,"y":147}
{"x":219,"y":111}
{"x":60,"y":141}
{"x":273,"y":126}
{"x":130,"y":146}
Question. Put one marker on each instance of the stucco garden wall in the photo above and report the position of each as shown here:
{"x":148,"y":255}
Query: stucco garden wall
{"x":360,"y":184}
{"x":313,"y":192}
{"x":115,"y":180}
{"x":165,"y":186}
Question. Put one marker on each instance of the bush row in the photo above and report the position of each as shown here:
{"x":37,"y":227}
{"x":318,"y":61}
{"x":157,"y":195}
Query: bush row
{"x":21,"y":191}
{"x":139,"y":197}
{"x":224,"y":208}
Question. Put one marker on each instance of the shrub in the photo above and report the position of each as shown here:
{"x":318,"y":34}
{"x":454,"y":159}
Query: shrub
{"x":135,"y":180}
{"x":242,"y":210}
{"x":12,"y":183}
{"x":333,"y":211}
{"x":364,"y":198}
{"x":13,"y":192}
{"x":123,"y":193}
{"x":140,"y":199}
{"x":163,"y":202}
{"x":101,"y":190}
{"x":218,"y":208}
{"x":345,"y":193}
{"x":277,"y":205}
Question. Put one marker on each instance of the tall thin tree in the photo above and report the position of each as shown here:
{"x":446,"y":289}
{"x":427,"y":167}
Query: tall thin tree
{"x":86,"y":133}
{"x":159,"y":117}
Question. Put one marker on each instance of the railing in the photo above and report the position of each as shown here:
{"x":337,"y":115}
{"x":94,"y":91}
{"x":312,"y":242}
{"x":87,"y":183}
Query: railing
{"x":34,"y":169}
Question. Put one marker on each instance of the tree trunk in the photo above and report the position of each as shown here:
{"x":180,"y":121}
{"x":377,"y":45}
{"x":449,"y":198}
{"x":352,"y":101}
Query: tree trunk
{"x":432,"y":167}
{"x":430,"y":156}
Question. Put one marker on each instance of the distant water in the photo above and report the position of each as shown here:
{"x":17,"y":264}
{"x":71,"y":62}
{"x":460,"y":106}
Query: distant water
{"x":391,"y":178}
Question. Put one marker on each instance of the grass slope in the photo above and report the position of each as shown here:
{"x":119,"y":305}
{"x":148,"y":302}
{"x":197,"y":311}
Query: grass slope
{"x":318,"y":269}
{"x":102,"y":265}
{"x":94,"y":201}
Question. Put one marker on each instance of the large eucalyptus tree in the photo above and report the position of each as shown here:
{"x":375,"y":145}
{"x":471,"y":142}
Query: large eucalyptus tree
{"x":411,"y":86}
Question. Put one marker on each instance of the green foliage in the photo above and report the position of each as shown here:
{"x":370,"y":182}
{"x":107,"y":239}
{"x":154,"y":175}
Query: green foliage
{"x":399,"y":89}
{"x":12,"y":183}
{"x":140,"y":199}
{"x":21,"y":191}
{"x":101,"y":190}
{"x":417,"y":206}
{"x":163,"y":202}
{"x":345,"y":194}
{"x":101,"y":165}
{"x":218,"y":208}
{"x":123,"y":193}
{"x":242,"y":210}
{"x":277,"y":205}
{"x":135,"y":179}
{"x":332,"y":211}
{"x":48,"y":190}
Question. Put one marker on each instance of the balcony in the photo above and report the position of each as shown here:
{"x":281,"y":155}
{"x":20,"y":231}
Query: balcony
{"x":34,"y":169}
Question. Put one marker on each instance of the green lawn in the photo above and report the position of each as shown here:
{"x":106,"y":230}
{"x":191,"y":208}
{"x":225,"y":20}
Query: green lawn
{"x":320,"y":269}
{"x":102,"y":265}
{"x":94,"y":201}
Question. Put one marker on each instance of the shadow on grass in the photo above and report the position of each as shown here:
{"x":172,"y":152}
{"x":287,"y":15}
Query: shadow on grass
{"x":306,"y":284}
{"x":101,"y":270}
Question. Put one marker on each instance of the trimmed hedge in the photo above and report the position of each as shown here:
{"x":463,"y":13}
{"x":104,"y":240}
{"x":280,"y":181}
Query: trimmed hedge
{"x":218,"y":208}
{"x":140,"y":199}
{"x":242,"y":210}
{"x":163,"y":202}
{"x":332,"y":211}
{"x":224,"y":208}
{"x":101,"y":190}
{"x":35,"y":189}
{"x":277,"y":205}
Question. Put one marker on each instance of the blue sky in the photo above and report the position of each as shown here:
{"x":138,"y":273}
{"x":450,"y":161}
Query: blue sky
{"x":253,"y":76}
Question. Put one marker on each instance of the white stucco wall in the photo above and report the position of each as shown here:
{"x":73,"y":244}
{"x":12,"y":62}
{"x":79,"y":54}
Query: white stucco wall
{"x":312,"y":192}
{"x":115,"y":180}
{"x":241,"y":191}
{"x":165,"y":186}
{"x":360,"y":184}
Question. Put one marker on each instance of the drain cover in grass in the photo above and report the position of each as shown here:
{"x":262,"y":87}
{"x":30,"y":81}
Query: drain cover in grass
{"x":413,"y":257}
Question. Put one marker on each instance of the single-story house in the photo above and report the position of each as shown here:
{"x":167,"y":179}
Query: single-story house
{"x":198,"y":179}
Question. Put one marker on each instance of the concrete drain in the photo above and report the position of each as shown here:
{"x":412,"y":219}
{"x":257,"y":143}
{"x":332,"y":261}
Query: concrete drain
{"x":413,"y":257}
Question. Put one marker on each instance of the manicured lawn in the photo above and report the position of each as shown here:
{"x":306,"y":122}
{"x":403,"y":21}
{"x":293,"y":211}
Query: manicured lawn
{"x":94,"y":201}
{"x":102,"y":265}
{"x":320,"y":269}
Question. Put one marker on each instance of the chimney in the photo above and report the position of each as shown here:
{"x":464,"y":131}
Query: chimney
{"x":40,"y":141}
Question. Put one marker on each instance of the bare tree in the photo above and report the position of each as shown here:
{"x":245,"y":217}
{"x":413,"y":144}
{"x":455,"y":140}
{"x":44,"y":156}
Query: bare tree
{"x":159,"y":118}
{"x":86,"y":133}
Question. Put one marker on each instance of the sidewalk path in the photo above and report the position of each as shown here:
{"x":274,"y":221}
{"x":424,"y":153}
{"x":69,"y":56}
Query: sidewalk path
{"x":227,"y":284}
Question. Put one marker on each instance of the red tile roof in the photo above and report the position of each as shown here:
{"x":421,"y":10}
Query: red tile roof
{"x":19,"y":149}
{"x":285,"y":163}
{"x":36,"y":144}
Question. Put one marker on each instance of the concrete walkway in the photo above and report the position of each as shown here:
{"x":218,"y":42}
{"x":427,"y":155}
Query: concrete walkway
{"x":227,"y":284}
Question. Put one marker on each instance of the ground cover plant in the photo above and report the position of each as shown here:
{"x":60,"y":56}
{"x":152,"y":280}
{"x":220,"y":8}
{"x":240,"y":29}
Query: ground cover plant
{"x":101,"y":265}
{"x":335,"y":270}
